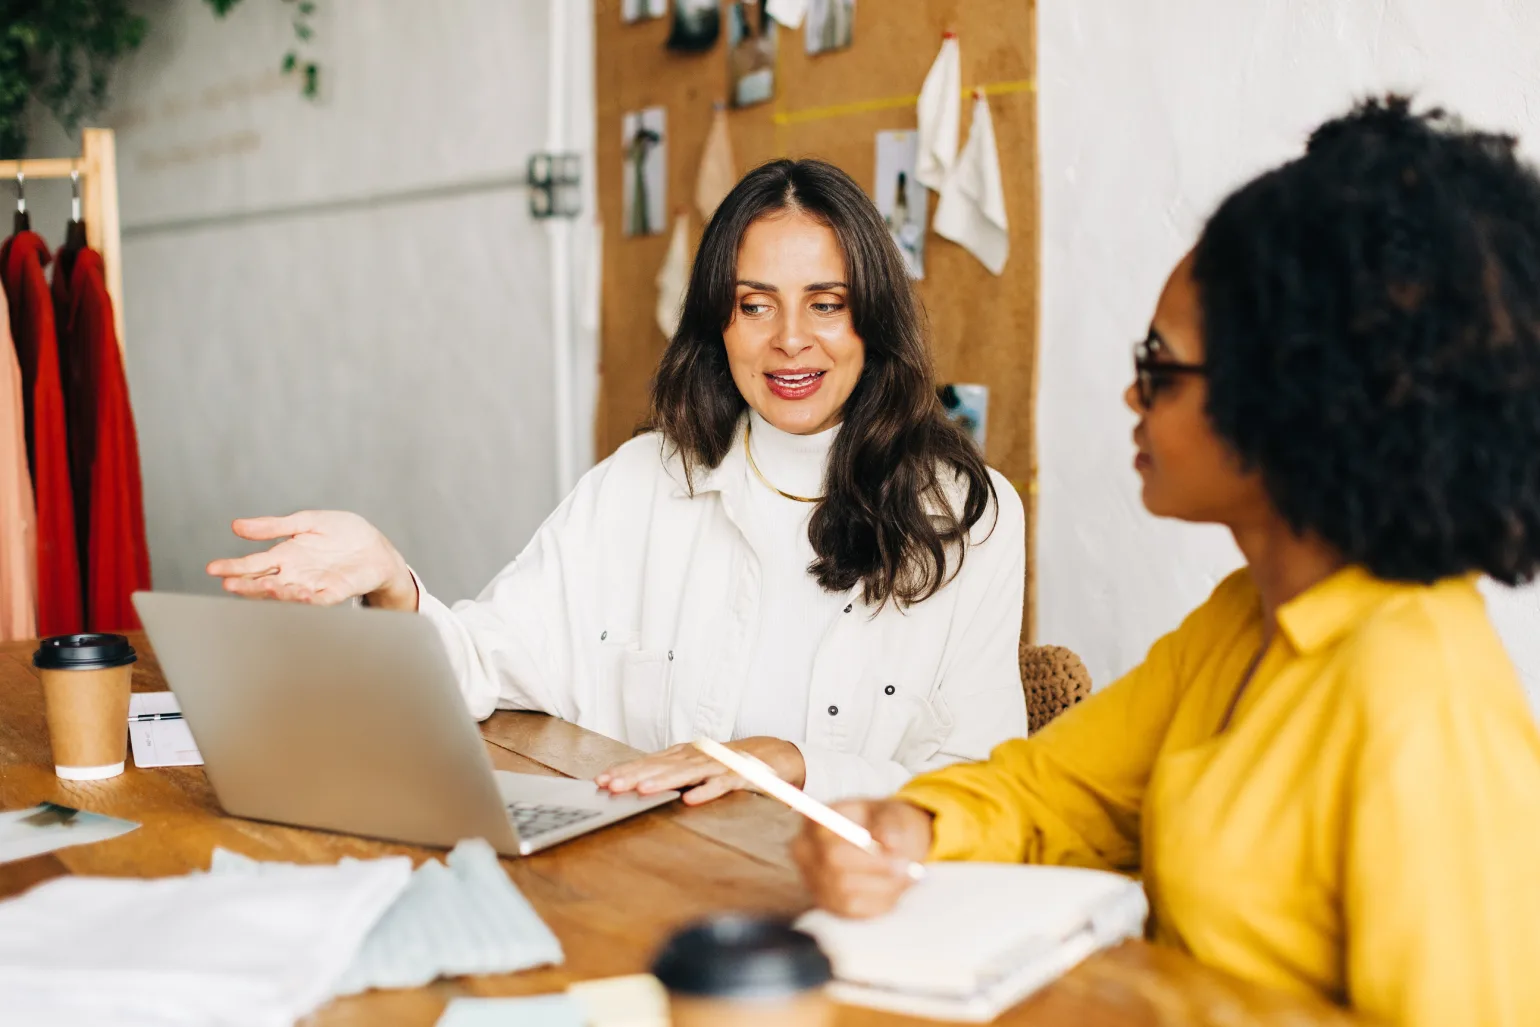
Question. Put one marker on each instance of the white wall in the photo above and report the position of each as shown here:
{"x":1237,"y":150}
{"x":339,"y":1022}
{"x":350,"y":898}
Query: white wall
{"x":343,"y":303}
{"x":1151,"y":111}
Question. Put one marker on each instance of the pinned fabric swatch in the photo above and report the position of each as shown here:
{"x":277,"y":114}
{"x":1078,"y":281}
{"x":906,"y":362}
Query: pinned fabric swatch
{"x":788,"y":12}
{"x":463,"y":918}
{"x":972,"y":208}
{"x":939,"y":113}
{"x":718,"y":174}
{"x":674,"y":278}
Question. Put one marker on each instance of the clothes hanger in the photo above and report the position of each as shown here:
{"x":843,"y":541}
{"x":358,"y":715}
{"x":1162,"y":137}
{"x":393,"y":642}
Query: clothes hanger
{"x":75,"y":235}
{"x":23,"y":221}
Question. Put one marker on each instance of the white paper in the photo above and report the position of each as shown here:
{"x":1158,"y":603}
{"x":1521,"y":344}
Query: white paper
{"x":674,"y":278}
{"x":44,"y":828}
{"x":901,"y":198}
{"x":788,"y":12}
{"x":644,"y":147}
{"x":160,"y":743}
{"x":831,"y":26}
{"x":752,"y":41}
{"x":972,"y":207}
{"x":939,"y":113}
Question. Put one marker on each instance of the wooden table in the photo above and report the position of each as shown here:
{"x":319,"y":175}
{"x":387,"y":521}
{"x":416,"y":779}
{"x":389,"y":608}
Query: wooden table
{"x":612,"y":896}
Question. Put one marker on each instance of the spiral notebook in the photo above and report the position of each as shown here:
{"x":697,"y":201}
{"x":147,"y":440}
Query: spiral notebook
{"x":974,"y":939}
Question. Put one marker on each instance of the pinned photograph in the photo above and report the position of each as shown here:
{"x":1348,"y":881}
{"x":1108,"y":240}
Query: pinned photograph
{"x":900,"y":196}
{"x":642,"y":10}
{"x":697,"y":23}
{"x":646,"y":171}
{"x":968,"y":406}
{"x":831,"y":25}
{"x":751,"y":42}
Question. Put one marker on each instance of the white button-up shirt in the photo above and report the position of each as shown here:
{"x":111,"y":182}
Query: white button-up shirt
{"x":633,"y":610}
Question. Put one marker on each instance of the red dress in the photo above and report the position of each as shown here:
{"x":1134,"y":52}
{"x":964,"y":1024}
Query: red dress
{"x":32,"y":328}
{"x":104,"y":447}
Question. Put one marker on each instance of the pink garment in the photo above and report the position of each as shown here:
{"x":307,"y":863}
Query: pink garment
{"x":18,"y":514}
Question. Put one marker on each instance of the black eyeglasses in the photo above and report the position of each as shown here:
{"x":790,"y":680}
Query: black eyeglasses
{"x":1153,"y":374}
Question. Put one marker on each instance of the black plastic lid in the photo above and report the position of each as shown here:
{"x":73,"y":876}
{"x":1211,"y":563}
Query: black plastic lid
{"x":741,"y":957}
{"x":83,"y":652}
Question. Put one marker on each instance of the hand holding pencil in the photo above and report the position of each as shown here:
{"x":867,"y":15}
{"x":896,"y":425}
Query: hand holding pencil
{"x":857,"y":857}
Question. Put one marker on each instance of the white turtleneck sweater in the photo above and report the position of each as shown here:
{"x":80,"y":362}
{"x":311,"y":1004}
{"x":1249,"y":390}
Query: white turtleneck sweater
{"x":794,"y":611}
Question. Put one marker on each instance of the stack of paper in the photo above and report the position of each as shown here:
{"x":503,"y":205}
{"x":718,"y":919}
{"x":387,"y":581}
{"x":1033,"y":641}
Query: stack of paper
{"x":239,"y":950}
{"x":464,"y":918}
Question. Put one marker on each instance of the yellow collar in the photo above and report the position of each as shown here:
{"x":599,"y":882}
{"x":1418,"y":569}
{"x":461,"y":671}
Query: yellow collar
{"x":1326,"y":611}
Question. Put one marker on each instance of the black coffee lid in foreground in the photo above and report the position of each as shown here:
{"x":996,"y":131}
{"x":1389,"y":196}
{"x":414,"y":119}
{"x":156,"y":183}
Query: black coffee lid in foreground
{"x":83,"y":652}
{"x":741,"y":957}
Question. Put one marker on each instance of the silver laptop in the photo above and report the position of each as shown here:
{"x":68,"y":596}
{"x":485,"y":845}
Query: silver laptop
{"x":350,"y":720}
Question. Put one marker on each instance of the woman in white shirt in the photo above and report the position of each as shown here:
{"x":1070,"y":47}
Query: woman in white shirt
{"x":801,"y":555}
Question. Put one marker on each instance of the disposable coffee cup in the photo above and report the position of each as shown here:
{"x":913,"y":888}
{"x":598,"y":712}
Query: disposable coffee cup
{"x":86,"y":684}
{"x":740,"y":971}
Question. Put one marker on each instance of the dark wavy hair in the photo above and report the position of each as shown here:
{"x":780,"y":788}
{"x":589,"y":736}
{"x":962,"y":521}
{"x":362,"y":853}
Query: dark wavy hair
{"x":1371,"y":315}
{"x":895,"y":449}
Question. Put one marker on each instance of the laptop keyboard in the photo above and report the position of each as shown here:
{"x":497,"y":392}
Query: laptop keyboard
{"x":533,"y":819}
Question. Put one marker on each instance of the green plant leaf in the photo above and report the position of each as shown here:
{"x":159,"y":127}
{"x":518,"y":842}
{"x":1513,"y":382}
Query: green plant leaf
{"x":60,"y":52}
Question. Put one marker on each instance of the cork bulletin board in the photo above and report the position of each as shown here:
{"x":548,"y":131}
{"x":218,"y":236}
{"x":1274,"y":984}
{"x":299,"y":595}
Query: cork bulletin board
{"x":983,"y":329}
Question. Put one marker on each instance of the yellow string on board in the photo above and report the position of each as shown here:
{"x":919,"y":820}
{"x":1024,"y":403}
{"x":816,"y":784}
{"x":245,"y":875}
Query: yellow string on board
{"x":841,"y":110}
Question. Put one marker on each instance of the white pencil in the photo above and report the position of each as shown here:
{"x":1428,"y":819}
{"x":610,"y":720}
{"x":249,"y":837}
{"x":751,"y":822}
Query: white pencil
{"x":756,"y":773}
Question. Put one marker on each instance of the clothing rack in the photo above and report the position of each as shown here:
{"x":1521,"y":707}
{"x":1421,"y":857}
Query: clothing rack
{"x":98,"y":168}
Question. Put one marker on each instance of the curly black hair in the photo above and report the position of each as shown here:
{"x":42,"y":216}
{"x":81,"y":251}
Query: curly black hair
{"x":1371,"y":317}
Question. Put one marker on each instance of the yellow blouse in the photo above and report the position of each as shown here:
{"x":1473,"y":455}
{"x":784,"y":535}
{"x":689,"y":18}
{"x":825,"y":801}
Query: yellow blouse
{"x":1367,"y":828}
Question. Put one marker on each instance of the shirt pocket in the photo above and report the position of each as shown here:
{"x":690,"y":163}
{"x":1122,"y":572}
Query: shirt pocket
{"x":905,"y":727}
{"x":639,"y":680}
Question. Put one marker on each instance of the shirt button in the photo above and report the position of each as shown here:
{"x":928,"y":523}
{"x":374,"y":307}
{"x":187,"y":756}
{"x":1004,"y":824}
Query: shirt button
{"x":671,"y":656}
{"x":850,"y":607}
{"x":603,"y":635}
{"x":834,"y":711}
{"x":888,"y":690}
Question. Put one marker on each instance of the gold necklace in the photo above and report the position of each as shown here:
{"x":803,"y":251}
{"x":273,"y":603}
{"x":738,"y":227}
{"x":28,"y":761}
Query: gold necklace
{"x":749,"y":452}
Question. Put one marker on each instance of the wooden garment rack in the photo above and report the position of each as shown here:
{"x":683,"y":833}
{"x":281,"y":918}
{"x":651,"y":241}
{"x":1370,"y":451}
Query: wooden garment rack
{"x":98,"y":167}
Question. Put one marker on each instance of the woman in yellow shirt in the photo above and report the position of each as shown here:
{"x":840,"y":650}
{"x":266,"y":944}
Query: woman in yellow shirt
{"x":1328,"y":776}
